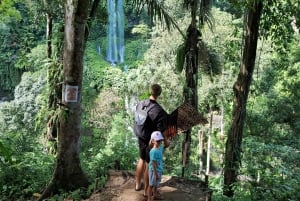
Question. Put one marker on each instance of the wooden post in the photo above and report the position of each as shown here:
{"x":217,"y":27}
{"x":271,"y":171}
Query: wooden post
{"x":208,"y":144}
{"x":201,"y":156}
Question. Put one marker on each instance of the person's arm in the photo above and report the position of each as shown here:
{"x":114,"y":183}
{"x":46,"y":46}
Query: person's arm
{"x":155,"y":169}
{"x":166,"y":141}
{"x":170,"y":131}
{"x":161,"y":120}
{"x":162,"y":126}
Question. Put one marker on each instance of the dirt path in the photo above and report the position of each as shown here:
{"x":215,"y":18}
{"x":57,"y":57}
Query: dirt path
{"x":120,"y":187}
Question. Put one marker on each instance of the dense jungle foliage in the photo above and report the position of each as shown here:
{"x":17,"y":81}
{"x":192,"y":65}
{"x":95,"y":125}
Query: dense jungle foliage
{"x":270,"y":164}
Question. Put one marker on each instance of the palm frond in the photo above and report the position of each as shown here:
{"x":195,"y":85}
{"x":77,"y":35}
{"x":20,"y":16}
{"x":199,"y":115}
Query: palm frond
{"x":205,"y":15}
{"x":209,"y":60}
{"x":187,"y":4}
{"x":157,"y":11}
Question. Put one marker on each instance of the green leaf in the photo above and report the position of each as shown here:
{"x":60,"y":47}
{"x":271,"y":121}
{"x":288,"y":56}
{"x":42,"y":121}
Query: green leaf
{"x":5,"y":153}
{"x":180,"y":58}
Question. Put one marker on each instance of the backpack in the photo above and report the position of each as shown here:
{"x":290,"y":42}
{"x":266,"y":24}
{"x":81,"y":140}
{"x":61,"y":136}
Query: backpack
{"x":141,"y":118}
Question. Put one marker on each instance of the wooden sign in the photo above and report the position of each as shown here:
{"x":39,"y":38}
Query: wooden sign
{"x":71,"y":93}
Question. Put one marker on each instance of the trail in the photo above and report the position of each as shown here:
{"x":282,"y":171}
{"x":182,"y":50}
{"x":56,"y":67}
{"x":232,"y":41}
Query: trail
{"x":120,"y":187}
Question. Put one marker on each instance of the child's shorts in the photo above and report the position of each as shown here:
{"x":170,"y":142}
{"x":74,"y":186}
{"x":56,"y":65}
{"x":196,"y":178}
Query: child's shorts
{"x":154,"y":181}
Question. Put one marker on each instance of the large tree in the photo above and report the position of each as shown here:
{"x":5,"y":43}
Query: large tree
{"x":199,"y":14}
{"x":276,"y":19}
{"x":241,"y":90}
{"x":68,"y":174}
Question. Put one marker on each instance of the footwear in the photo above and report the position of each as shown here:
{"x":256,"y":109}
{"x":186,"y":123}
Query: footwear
{"x":158,"y":197}
{"x":139,"y":188}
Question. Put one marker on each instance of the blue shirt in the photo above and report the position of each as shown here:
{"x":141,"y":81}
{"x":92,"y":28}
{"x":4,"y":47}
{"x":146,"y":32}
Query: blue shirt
{"x":156,"y":154}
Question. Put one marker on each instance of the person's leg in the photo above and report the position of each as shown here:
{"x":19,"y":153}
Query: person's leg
{"x":149,"y":194}
{"x":156,"y":193}
{"x":150,"y":185}
{"x":140,"y":167}
{"x":146,"y":179}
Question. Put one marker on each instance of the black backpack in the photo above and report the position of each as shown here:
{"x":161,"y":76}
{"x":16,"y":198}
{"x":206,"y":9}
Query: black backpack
{"x":141,"y":118}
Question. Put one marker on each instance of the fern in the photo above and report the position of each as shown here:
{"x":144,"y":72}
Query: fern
{"x":5,"y":154}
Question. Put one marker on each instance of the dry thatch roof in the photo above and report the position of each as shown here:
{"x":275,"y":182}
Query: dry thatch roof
{"x":185,"y":117}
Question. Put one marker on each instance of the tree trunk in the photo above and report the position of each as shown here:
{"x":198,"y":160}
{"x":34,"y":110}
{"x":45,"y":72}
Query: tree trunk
{"x":241,"y":91}
{"x":92,"y":15}
{"x":186,"y":150}
{"x":49,"y":35}
{"x":68,"y":174}
{"x":208,"y":144}
{"x":54,"y":80}
{"x":190,"y":91}
{"x":69,"y":171}
{"x":201,"y":155}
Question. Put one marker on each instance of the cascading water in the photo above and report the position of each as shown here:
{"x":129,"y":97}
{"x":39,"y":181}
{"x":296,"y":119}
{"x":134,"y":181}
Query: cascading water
{"x":115,"y":48}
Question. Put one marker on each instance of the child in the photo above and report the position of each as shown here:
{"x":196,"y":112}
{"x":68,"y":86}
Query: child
{"x":156,"y":164}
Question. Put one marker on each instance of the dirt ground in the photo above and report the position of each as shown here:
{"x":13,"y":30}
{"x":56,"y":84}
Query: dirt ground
{"x":120,"y":187}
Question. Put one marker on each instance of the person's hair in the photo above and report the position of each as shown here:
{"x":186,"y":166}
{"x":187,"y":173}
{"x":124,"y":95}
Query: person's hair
{"x":151,"y":143}
{"x":155,"y":90}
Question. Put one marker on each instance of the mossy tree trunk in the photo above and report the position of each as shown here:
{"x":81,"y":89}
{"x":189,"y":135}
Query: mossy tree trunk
{"x":191,"y":75}
{"x":68,"y":174}
{"x":199,"y":9}
{"x":68,"y":170}
{"x":54,"y":74}
{"x":241,"y":91}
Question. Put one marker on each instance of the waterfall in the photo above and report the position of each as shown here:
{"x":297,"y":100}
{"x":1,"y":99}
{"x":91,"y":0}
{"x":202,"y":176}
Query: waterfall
{"x":115,"y":45}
